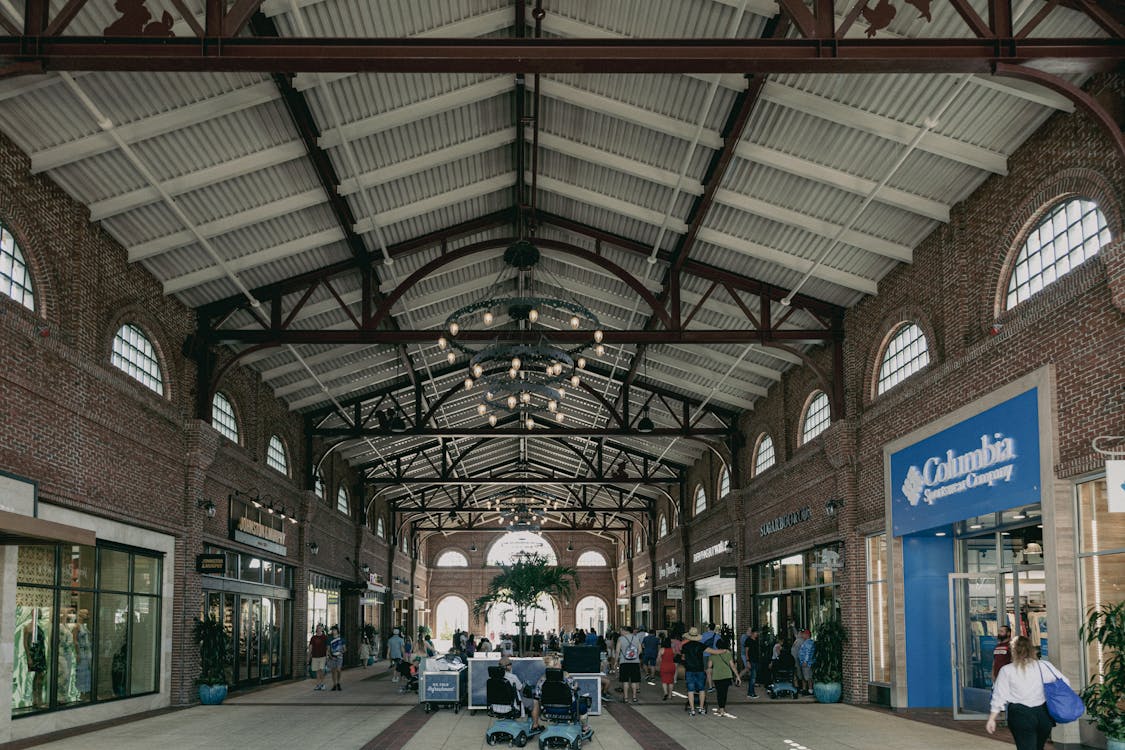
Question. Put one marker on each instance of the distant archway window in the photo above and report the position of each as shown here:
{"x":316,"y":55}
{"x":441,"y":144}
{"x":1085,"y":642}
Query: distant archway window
{"x":1070,"y":234}
{"x":764,"y":457}
{"x":318,"y":485}
{"x":275,"y":456}
{"x":135,"y":355}
{"x":505,"y":549}
{"x":817,"y":417}
{"x":591,"y":558}
{"x":640,"y":545}
{"x":907,"y":353}
{"x":700,"y":500}
{"x":379,"y":530}
{"x":342,"y":504}
{"x":15,"y":281}
{"x":451,"y":558}
{"x":222,"y":417}
{"x":724,"y":482}
{"x":663,"y":526}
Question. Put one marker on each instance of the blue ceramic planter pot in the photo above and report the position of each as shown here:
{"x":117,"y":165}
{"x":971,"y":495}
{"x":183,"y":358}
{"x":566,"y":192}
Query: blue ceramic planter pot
{"x":1114,"y":744}
{"x":212,"y":695}
{"x":827,"y":692}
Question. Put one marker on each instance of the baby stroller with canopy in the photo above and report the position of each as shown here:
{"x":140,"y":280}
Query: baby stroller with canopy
{"x":505,"y":706}
{"x":562,"y":707}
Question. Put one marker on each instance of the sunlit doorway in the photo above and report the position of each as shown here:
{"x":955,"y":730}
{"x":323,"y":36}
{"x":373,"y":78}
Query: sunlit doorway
{"x":452,"y":614}
{"x":591,"y":613}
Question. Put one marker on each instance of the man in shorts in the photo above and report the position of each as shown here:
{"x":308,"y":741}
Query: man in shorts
{"x":335,"y":661}
{"x":650,"y":647}
{"x":629,"y":662}
{"x":318,"y":653}
{"x":695,"y":672}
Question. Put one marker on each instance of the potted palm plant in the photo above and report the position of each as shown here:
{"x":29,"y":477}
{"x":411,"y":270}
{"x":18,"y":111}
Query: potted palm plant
{"x":214,"y":660}
{"x":520,"y":584}
{"x":1104,"y":695}
{"x":828,"y":667}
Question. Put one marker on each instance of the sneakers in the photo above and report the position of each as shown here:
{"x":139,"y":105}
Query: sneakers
{"x":752,"y":696}
{"x":319,"y":687}
{"x":691,"y":712}
{"x":710,"y":690}
{"x":664,"y":697}
{"x":635,"y":701}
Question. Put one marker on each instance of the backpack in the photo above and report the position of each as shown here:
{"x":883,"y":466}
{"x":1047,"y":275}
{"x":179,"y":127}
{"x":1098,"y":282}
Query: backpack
{"x":631,"y":649}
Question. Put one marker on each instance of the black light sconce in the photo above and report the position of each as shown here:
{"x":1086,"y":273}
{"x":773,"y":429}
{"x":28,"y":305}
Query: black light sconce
{"x":473,"y":547}
{"x":833,"y":506}
{"x":365,"y":569}
{"x":645,"y":423}
{"x":314,"y":548}
{"x":570,"y":546}
{"x":208,"y":507}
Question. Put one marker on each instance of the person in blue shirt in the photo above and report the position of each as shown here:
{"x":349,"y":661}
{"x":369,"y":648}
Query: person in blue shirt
{"x":806,"y":656}
{"x":335,"y":661}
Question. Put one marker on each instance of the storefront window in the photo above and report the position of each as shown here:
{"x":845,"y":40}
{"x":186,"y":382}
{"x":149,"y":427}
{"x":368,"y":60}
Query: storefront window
{"x":79,"y":637}
{"x":1102,"y":557}
{"x":798,"y":590}
{"x":323,"y":602}
{"x":878,"y":610}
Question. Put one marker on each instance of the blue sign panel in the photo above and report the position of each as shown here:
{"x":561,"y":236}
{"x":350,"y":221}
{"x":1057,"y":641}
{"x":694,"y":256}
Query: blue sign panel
{"x":441,"y":687}
{"x":988,"y":462}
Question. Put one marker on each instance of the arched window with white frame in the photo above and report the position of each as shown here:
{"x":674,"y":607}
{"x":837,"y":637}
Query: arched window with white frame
{"x":15,"y":279}
{"x":700,"y":500}
{"x":591,"y":558}
{"x":764,"y":455}
{"x":640,"y":544}
{"x":318,"y":484}
{"x":134,"y":354}
{"x":817,"y":417}
{"x":1068,"y":235}
{"x":380,"y":530}
{"x":451,"y":558}
{"x":342,"y":503}
{"x":907,"y":352}
{"x":662,"y":525}
{"x":724,"y":482}
{"x":222,"y":417}
{"x":275,"y":456}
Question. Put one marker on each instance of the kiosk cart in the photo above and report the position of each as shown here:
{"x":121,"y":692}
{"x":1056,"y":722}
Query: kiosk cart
{"x":443,"y":688}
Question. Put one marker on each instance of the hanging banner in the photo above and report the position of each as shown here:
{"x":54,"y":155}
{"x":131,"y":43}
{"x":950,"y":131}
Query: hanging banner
{"x":1115,"y":485}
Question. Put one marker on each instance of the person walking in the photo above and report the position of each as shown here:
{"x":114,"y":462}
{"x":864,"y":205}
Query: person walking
{"x":695,"y":674}
{"x":666,"y":658}
{"x":1019,"y":687}
{"x":335,"y":661}
{"x":751,"y":653}
{"x":629,"y":662}
{"x":806,"y":657}
{"x":723,"y":672}
{"x":395,"y":650}
{"x":1002,"y":652}
{"x":318,"y":655}
{"x":650,"y":645}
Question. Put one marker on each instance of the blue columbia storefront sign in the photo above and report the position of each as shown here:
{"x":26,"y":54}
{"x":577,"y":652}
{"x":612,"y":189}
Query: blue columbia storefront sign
{"x":986,"y":463}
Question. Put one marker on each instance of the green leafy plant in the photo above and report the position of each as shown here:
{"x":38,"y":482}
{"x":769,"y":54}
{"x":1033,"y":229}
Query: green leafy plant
{"x":830,"y":638}
{"x":1104,"y":695}
{"x":520,"y":584}
{"x":214,"y":651}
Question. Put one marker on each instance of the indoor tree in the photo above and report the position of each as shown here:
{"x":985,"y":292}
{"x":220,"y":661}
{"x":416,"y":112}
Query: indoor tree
{"x":519,"y":585}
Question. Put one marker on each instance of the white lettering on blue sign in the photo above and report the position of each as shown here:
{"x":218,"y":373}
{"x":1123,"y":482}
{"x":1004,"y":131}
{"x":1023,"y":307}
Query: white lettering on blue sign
{"x":940,"y":477}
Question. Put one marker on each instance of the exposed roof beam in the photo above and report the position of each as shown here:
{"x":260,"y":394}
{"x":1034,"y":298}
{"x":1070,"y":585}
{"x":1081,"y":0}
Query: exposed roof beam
{"x":607,"y":203}
{"x":727,"y":360}
{"x":735,"y":381}
{"x":150,"y":127}
{"x":435,"y":202}
{"x":624,"y":164}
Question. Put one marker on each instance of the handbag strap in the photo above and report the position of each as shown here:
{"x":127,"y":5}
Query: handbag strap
{"x":1050,"y":669}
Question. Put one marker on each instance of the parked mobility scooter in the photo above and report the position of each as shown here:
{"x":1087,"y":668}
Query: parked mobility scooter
{"x":505,"y":706}
{"x":562,"y":708}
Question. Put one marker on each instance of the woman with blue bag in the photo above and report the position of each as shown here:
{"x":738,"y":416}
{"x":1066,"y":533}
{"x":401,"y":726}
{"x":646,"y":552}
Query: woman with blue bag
{"x":1037,"y":696}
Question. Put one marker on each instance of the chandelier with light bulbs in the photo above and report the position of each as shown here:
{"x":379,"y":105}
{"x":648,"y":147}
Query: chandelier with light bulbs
{"x":519,"y":378}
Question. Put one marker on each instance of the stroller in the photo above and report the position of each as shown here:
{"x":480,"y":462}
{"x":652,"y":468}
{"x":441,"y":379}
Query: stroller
{"x":505,"y":706}
{"x":562,"y":708}
{"x":781,"y":679}
{"x":409,"y":672}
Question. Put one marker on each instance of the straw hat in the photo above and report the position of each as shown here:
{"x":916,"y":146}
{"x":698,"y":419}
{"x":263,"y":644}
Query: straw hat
{"x":692,"y":635}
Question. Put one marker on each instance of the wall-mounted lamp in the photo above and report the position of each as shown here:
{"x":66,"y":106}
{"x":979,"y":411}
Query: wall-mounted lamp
{"x":833,"y":506}
{"x":473,"y":547}
{"x":365,"y":569}
{"x":314,"y":548}
{"x":208,"y":507}
{"x":570,"y":546}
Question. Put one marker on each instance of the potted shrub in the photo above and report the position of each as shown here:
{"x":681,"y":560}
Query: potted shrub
{"x":828,"y":667}
{"x":214,"y":660}
{"x":1104,"y":695}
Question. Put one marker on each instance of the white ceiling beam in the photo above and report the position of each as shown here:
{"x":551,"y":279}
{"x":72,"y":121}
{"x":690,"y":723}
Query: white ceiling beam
{"x":411,"y":113}
{"x":265,"y":212}
{"x":726,"y":360}
{"x":429,"y":160}
{"x":884,"y":127}
{"x":688,"y":366}
{"x":1029,"y":92}
{"x":336,"y":352}
{"x":813,"y":225}
{"x":629,"y":112}
{"x":435,"y":202}
{"x":837,"y":178}
{"x":624,"y":164}
{"x":242,"y":263}
{"x":793,"y":262}
{"x":606,"y":203}
{"x":213,"y":175}
{"x":150,"y":127}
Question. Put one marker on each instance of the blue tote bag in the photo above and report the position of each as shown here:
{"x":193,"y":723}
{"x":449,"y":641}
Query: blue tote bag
{"x":1063,"y":704}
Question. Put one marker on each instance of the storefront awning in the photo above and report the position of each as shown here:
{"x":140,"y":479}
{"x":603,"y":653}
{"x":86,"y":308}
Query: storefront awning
{"x":16,"y":528}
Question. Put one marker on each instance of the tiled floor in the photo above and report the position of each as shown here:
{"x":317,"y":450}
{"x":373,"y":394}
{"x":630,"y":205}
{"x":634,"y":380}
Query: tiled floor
{"x":370,"y":714}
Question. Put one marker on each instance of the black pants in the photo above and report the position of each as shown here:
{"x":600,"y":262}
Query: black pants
{"x":721,"y":688}
{"x":1030,"y":725}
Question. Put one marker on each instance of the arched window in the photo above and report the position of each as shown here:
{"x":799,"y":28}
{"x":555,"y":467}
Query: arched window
{"x":342,"y":501}
{"x":724,"y":482}
{"x":907,"y":352}
{"x":817,"y":417}
{"x":222,"y":417}
{"x":764,"y":456}
{"x":379,"y":530}
{"x":504,"y":550}
{"x":135,"y":355}
{"x":318,"y":484}
{"x":640,"y":545}
{"x":1067,"y":236}
{"x":405,"y":545}
{"x":663,"y":526}
{"x":15,"y":281}
{"x":451,"y":558}
{"x":591,"y":558}
{"x":275,"y":456}
{"x":700,"y":500}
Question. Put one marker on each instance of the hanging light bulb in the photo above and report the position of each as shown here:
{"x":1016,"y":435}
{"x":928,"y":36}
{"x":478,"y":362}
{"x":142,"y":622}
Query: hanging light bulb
{"x":599,"y":335}
{"x":562,"y":391}
{"x":530,"y":423}
{"x":511,"y":402}
{"x":451,"y":357}
{"x":454,"y":328}
{"x":574,"y":321}
{"x":574,"y":381}
{"x":525,"y":397}
{"x":477,"y":371}
{"x":468,"y":384}
{"x":516,"y":363}
{"x":492,"y":420}
{"x":599,"y":350}
{"x":487,"y":317}
{"x":512,"y":374}
{"x":581,"y":363}
{"x":533,"y":315}
{"x":442,"y":343}
{"x":489,"y":395}
{"x":482,"y":409}
{"x":559,"y":416}
{"x":553,"y":405}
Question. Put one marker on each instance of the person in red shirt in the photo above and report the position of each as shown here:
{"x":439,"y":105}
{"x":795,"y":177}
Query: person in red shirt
{"x":1002,"y":654}
{"x":318,"y":653}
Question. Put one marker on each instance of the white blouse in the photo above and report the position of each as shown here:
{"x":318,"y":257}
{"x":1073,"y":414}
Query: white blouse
{"x":1024,"y":686}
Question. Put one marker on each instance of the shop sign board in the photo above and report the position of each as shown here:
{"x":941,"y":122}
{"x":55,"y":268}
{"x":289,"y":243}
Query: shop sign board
{"x":728,"y":571}
{"x":983,"y":464}
{"x":1115,"y":483}
{"x":668,"y":570}
{"x":216,"y":565}
{"x":642,"y":580}
{"x":784,"y":522}
{"x":259,"y":535}
{"x":715,"y":549}
{"x":674,"y":593}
